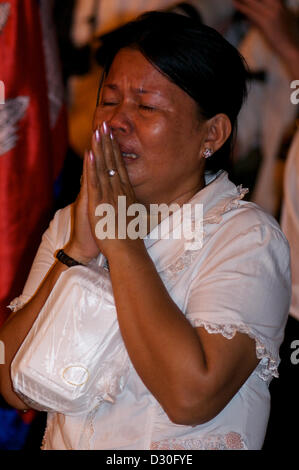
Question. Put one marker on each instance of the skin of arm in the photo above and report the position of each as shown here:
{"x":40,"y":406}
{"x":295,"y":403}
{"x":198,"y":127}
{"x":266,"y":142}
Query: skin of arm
{"x":16,"y":328}
{"x":192,"y":373}
{"x":196,"y":384}
{"x":18,"y":324}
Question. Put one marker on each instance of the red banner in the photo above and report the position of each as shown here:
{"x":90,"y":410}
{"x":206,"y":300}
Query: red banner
{"x":33,"y":137}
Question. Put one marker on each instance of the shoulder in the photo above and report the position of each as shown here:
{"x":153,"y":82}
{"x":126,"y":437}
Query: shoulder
{"x":226,"y":211}
{"x":248,"y":241}
{"x":236,"y":233}
{"x":242,"y":275}
{"x":249,"y":223}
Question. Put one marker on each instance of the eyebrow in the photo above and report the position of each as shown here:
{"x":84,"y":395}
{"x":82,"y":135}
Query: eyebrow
{"x":139,"y":91}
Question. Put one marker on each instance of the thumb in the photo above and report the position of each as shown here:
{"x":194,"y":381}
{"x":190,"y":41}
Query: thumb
{"x":82,"y":197}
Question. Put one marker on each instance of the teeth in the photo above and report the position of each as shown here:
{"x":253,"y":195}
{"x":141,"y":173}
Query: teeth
{"x":130,"y":155}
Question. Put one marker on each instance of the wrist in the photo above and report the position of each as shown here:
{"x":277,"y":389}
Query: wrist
{"x":74,"y":252}
{"x":125,"y":251}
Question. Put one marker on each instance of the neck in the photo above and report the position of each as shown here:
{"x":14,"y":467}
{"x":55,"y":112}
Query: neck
{"x":180,"y":198}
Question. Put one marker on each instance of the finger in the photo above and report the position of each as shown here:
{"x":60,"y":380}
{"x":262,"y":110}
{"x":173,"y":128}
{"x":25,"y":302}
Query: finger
{"x":101,"y":169}
{"x":110,"y":162}
{"x":83,"y":179}
{"x":84,"y":173}
{"x":93,"y":183}
{"x":108,"y":149}
{"x":119,"y":161}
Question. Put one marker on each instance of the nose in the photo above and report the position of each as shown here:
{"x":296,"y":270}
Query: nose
{"x":120,"y":119}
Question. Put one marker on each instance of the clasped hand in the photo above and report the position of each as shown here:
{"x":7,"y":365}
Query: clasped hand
{"x":98,"y":187}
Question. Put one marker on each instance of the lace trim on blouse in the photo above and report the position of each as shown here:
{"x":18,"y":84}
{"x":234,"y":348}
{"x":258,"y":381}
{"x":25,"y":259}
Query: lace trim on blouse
{"x":229,"y":441}
{"x":16,"y":304}
{"x":267,"y":367}
{"x":213,"y":216}
{"x":45,"y":436}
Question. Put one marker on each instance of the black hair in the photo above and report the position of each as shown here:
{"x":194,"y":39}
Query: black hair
{"x":193,"y":56}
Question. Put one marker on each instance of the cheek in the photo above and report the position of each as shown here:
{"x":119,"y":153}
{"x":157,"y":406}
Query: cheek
{"x":176,"y":147}
{"x":162,"y":135}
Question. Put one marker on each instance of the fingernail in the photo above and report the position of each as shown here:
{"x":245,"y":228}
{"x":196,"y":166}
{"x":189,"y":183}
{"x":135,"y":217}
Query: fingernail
{"x":98,"y":136}
{"x":91,"y":155}
{"x":111,"y":135}
{"x":105,"y":128}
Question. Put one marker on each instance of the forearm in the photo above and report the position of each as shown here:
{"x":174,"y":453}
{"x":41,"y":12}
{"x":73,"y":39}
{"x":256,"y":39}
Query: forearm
{"x":163,"y":346}
{"x":16,"y":328}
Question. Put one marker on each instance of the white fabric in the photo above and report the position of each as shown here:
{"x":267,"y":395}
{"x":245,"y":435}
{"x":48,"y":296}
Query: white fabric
{"x":290,"y":218}
{"x":59,"y":366}
{"x":238,"y":281}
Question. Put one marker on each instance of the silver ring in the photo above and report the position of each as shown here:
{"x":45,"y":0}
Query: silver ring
{"x":112,"y":172}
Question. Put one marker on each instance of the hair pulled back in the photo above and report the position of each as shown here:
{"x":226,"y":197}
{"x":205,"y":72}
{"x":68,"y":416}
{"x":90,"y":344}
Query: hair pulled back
{"x":193,"y":56}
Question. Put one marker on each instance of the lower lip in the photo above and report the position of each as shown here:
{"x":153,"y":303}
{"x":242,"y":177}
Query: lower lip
{"x":129,"y":161}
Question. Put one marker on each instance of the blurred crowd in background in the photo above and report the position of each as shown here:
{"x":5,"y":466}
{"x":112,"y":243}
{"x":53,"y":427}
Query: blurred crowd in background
{"x":54,"y":43}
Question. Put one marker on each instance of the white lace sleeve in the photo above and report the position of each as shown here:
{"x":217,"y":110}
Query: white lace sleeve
{"x":268,"y":366}
{"x":245,"y":287}
{"x":17,"y":303}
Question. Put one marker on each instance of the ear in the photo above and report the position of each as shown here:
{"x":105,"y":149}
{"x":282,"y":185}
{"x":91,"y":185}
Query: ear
{"x":219,"y":129}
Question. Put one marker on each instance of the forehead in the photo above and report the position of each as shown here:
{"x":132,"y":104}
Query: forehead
{"x":131,"y":71}
{"x":130,"y":64}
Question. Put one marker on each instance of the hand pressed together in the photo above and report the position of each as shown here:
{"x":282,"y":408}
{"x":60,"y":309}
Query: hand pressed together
{"x":99,"y":189}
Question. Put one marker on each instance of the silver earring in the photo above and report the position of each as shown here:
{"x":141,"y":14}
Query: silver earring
{"x":208,"y":153}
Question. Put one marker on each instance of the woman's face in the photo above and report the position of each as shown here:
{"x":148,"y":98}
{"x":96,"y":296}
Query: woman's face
{"x":157,"y":127}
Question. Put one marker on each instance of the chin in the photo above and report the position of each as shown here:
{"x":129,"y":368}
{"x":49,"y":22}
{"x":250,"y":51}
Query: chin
{"x":136,"y":177}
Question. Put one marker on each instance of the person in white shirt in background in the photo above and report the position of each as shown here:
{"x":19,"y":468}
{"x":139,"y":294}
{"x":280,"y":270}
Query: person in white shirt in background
{"x":281,"y":31}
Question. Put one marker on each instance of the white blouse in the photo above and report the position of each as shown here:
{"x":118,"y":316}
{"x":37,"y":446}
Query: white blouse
{"x":290,"y":218}
{"x":238,"y":281}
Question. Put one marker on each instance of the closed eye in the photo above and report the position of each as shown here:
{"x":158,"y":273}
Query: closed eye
{"x":146,"y":108}
{"x":107,"y":103}
{"x":141,"y":106}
